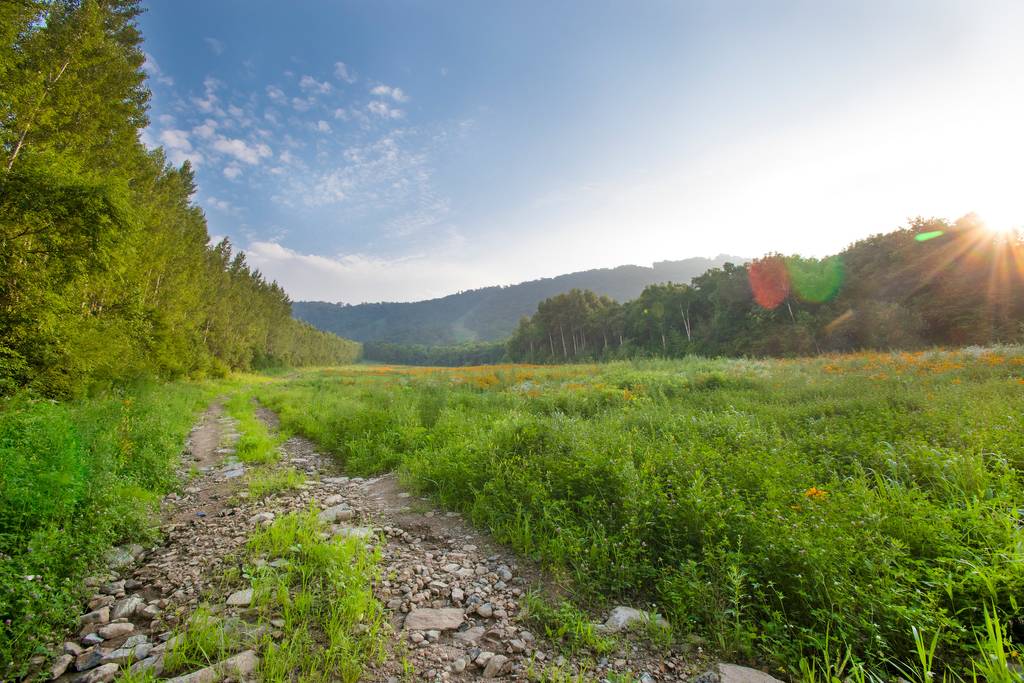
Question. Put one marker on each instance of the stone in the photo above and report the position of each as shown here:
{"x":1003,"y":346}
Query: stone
{"x":459,"y":665}
{"x":239,"y":667}
{"x":504,"y":573}
{"x":494,"y":666}
{"x":72,"y":648}
{"x":470,"y":635}
{"x":91,"y":639}
{"x":517,"y":645}
{"x":103,"y":674}
{"x":354,"y":532}
{"x":458,"y":595}
{"x":337,"y":513}
{"x":154,"y":663}
{"x":733,"y":673}
{"x":240,"y":598}
{"x":111,"y":631}
{"x":333,"y":499}
{"x":89,"y":659}
{"x":261,"y":518}
{"x":60,"y":665}
{"x":443,"y":619}
{"x":113,"y":588}
{"x":623,"y":617}
{"x":100,"y":616}
{"x":125,"y":608}
{"x":485,"y":610}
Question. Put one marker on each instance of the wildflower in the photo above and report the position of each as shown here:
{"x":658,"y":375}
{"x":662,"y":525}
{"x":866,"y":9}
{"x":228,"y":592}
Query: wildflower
{"x":814,"y":493}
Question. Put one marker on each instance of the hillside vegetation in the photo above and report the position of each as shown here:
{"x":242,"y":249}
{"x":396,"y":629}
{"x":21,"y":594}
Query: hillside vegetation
{"x":833,"y":516}
{"x":108,"y":273}
{"x":932,"y":283}
{"x":488,"y":314}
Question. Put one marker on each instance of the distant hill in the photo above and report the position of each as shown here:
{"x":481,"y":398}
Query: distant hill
{"x":490,"y":313}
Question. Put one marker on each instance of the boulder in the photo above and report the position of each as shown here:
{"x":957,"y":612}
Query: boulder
{"x":111,"y":631}
{"x":60,"y":665}
{"x":125,"y":608}
{"x":337,"y":513}
{"x":494,"y":666}
{"x":623,"y":617}
{"x":102,"y":674}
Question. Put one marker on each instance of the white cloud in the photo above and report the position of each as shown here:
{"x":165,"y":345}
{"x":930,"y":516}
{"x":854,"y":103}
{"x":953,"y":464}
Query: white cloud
{"x":206,"y":130}
{"x":276,"y":94}
{"x":153,"y":69}
{"x":341,"y":114}
{"x":300,"y":104}
{"x":216,"y":47}
{"x":343,"y":73}
{"x":383,"y":110}
{"x":208,"y":103}
{"x":287,"y":157}
{"x":311,"y":85}
{"x":322,"y":127}
{"x":358,"y":277}
{"x":242,"y":150}
{"x":232,"y":171}
{"x":179,"y":147}
{"x":166,"y":119}
{"x":221,"y":205}
{"x":387,"y":91}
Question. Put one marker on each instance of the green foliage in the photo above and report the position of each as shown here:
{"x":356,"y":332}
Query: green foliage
{"x":488,"y":314}
{"x":107,"y":271}
{"x":75,"y":479}
{"x":469,"y":353}
{"x":771,"y":506}
{"x":889,"y":291}
{"x":268,"y":481}
{"x":566,"y":626}
{"x":323,"y":590}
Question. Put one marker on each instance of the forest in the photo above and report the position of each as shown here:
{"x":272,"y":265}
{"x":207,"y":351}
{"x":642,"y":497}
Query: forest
{"x":488,"y":314}
{"x":933,"y":283}
{"x":108,"y":270}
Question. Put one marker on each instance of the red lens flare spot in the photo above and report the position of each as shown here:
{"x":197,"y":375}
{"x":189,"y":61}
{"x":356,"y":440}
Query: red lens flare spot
{"x":769,"y":281}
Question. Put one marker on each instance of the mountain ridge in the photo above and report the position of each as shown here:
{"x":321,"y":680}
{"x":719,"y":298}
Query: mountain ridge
{"x":489,"y":313}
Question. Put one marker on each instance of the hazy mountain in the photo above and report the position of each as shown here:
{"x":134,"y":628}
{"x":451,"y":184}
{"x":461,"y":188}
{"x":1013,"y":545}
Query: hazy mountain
{"x":489,"y":313}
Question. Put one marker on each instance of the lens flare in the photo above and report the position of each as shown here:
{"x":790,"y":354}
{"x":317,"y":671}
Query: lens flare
{"x":816,"y":281}
{"x":769,"y":281}
{"x":925,"y":236}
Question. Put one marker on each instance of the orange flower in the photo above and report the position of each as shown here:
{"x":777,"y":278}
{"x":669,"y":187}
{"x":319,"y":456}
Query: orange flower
{"x":814,"y":493}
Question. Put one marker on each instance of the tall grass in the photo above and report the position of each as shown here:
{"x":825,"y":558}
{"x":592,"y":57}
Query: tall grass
{"x":766,"y":504}
{"x":76,"y":478}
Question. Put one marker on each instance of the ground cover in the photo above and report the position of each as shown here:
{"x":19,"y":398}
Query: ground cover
{"x":863,"y":505}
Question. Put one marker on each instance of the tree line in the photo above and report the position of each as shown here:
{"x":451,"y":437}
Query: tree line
{"x":932,"y":283}
{"x":107,"y":270}
{"x":444,"y":355}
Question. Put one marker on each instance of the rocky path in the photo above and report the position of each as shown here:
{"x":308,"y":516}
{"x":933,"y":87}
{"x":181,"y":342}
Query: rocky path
{"x":455,"y":598}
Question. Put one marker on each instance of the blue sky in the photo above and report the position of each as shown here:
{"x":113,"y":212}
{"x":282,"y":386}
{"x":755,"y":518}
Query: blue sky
{"x":367,"y":151}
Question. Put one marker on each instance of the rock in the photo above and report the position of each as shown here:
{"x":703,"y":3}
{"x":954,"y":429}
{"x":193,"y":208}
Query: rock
{"x":494,"y":666}
{"x":458,"y":595}
{"x":482,"y":659}
{"x":103,"y":674}
{"x":470,"y":635}
{"x":517,"y":645}
{"x":72,"y":648}
{"x":354,"y":532}
{"x":337,"y":513}
{"x":459,"y":665}
{"x":111,"y":631}
{"x":239,"y":667}
{"x":126,"y":607}
{"x":100,"y":616}
{"x":623,"y":617}
{"x":154,"y":663}
{"x":333,"y":499}
{"x":60,"y":665}
{"x":89,"y":659}
{"x":113,"y":588}
{"x":240,"y":598}
{"x":122,"y":556}
{"x":261,"y":518}
{"x":733,"y":673}
{"x":504,"y":573}
{"x":443,"y":619}
{"x":91,"y":639}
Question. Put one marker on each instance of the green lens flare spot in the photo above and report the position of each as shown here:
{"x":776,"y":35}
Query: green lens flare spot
{"x":925,"y":236}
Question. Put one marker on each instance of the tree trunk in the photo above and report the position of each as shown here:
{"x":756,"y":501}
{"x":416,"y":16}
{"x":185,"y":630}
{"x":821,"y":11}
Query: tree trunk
{"x":565,"y":349}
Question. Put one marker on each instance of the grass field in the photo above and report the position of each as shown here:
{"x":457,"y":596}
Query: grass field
{"x":835,"y":516}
